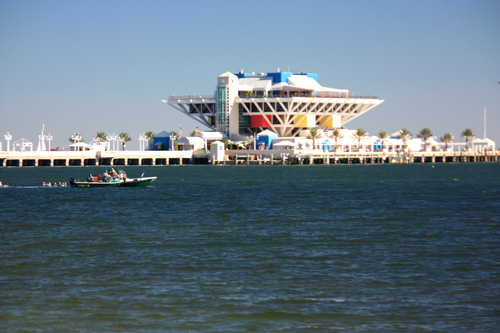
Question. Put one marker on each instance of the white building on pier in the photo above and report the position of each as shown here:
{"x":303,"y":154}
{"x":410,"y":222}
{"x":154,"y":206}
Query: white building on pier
{"x":286,"y":103}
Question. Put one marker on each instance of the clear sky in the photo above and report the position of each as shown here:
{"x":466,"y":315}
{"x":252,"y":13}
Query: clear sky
{"x":91,"y":66}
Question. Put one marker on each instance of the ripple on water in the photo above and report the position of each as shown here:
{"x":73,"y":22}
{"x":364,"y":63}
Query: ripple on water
{"x":355,"y":248}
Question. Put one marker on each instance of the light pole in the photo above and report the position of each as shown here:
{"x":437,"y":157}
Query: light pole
{"x":109,"y":142}
{"x":41,"y":142}
{"x":8,"y":138}
{"x":171,"y":142}
{"x":142,"y":142}
{"x":49,"y":138}
{"x":120,"y":140}
{"x":112,"y":138}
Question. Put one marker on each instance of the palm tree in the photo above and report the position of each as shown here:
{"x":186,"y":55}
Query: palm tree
{"x":359,"y":134}
{"x":76,"y":137}
{"x":425,"y":133}
{"x":314,"y":134}
{"x":382,"y":136}
{"x":124,"y":138}
{"x":467,"y":134}
{"x":149,"y":138}
{"x":446,"y":138}
{"x":101,"y":137}
{"x":174,"y":133}
{"x":337,"y":134}
{"x":404,"y":134}
{"x":150,"y":135}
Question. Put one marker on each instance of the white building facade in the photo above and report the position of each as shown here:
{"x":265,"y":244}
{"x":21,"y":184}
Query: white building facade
{"x":286,"y":103}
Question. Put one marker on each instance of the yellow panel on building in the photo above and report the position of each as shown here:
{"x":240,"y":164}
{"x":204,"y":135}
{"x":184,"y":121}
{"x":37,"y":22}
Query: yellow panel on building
{"x":331,"y":121}
{"x":308,"y":121}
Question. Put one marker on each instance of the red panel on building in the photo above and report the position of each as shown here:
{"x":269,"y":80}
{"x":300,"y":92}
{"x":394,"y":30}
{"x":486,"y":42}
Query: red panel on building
{"x":262,"y":121}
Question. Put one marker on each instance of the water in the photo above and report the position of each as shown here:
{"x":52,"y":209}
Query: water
{"x":240,"y":248}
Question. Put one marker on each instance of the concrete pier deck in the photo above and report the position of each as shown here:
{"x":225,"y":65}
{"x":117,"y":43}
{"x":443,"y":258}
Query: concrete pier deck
{"x":260,"y":157}
{"x":93,"y":158}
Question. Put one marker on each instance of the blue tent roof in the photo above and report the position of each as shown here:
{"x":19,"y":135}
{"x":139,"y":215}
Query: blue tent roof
{"x":162,"y":134}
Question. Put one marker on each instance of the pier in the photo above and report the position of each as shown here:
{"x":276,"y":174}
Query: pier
{"x":304,"y":157}
{"x":235,"y":157}
{"x":93,"y":158}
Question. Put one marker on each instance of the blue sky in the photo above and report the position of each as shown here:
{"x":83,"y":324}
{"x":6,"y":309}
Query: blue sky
{"x":90,"y":66}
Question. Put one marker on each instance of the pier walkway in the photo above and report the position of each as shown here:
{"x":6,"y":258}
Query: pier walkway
{"x":93,"y":158}
{"x":236,"y":157}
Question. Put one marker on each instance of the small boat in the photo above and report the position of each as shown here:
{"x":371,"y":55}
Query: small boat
{"x":137,"y":182}
{"x":112,"y":179}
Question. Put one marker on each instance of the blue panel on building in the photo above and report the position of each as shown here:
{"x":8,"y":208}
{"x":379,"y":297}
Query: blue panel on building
{"x":161,"y":143}
{"x":279,"y":77}
{"x":313,"y":75}
{"x":265,"y":141}
{"x":242,"y":75}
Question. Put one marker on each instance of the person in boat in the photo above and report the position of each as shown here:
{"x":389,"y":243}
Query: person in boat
{"x":90,"y":178}
{"x":106,"y":177}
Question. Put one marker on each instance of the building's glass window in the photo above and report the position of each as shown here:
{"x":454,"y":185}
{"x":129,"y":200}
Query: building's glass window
{"x":222,"y":109}
{"x":244,"y":121}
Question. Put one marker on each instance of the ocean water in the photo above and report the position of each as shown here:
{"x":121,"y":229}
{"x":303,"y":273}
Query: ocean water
{"x":355,"y":248}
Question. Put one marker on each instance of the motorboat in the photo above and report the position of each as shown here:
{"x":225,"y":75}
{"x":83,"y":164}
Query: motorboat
{"x":110,"y":178}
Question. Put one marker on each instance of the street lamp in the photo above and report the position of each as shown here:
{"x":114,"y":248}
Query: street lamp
{"x":142,"y":142}
{"x":120,"y":140}
{"x":41,"y":142}
{"x":49,"y":138}
{"x":112,"y":138}
{"x":8,"y":138}
{"x":109,"y":142}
